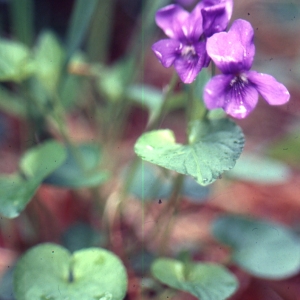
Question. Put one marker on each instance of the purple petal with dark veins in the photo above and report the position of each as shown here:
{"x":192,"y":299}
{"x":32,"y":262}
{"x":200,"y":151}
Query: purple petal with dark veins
{"x":215,"y":91}
{"x":236,"y":97}
{"x":239,"y":104}
{"x":188,"y":66}
{"x":233,"y":52}
{"x":274,"y":92}
{"x":172,"y":19}
{"x":167,"y":51}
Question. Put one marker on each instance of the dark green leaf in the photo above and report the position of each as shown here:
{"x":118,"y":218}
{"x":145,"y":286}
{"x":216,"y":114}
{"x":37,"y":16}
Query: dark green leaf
{"x":261,"y":170}
{"x":205,"y":281}
{"x":214,"y":147}
{"x":79,"y":169}
{"x":81,"y":17}
{"x":264,"y":249}
{"x":81,"y":235}
{"x":49,"y":271}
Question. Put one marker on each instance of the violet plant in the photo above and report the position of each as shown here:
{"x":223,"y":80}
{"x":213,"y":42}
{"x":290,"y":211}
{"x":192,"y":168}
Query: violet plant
{"x":51,"y":83}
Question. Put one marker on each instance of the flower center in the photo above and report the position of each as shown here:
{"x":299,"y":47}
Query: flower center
{"x":188,"y":51}
{"x":239,"y":82}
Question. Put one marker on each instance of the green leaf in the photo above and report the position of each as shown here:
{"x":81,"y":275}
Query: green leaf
{"x":194,"y":191}
{"x":261,"y":170}
{"x":15,"y":61}
{"x":152,"y":98}
{"x":15,"y":193}
{"x":22,"y":20}
{"x":148,"y":183}
{"x":17,"y":190}
{"x":205,"y":281}
{"x":40,"y":161}
{"x":81,"y":235}
{"x":214,"y":147}
{"x":49,"y":57}
{"x":264,"y":249}
{"x":81,"y":17}
{"x":49,"y":271}
{"x":11,"y":103}
{"x":79,"y":169}
{"x":287,"y":149}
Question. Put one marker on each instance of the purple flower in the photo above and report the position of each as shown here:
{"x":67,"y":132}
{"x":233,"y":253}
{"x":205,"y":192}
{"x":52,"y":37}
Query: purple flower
{"x":216,"y":15}
{"x":237,"y":89}
{"x":184,"y":49}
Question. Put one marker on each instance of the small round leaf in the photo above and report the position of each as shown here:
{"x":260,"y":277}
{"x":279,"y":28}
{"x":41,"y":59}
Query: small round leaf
{"x":264,"y":249}
{"x":205,"y":281}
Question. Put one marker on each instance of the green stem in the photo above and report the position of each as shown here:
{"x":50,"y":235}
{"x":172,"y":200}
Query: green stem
{"x":58,"y":115}
{"x":21,"y":12}
{"x":164,"y":107}
{"x":100,"y":33}
{"x":172,"y":203}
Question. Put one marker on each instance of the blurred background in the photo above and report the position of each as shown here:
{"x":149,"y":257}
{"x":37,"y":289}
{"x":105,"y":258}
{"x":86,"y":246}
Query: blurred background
{"x":268,"y":187}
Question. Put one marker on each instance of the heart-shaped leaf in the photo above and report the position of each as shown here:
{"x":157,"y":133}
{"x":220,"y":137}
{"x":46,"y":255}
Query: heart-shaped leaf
{"x":205,"y":281}
{"x":79,"y":169}
{"x":214,"y":146}
{"x":264,"y":249}
{"x":50,"y":272}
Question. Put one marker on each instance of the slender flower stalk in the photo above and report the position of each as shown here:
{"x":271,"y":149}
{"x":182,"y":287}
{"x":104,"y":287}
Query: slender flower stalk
{"x":237,"y":89}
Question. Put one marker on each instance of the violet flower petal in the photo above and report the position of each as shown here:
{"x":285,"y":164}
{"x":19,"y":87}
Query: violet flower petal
{"x":188,"y":67}
{"x":271,"y":90}
{"x":171,"y":19}
{"x":179,"y":24}
{"x":216,"y":16}
{"x":239,"y":105}
{"x":166,"y":51}
{"x":237,"y":101}
{"x":234,"y":51}
{"x":215,"y":91}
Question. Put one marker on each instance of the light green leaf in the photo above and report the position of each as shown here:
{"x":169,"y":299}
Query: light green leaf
{"x":214,"y":147}
{"x":49,"y":57}
{"x":264,"y":249}
{"x":79,"y":169}
{"x":261,"y":170}
{"x":18,"y":189}
{"x":205,"y":281}
{"x":49,"y":271}
{"x":40,"y":161}
{"x":15,"y":61}
{"x":15,"y":193}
